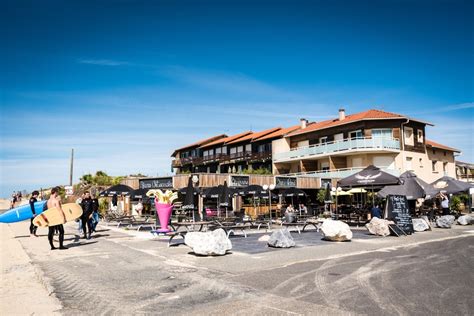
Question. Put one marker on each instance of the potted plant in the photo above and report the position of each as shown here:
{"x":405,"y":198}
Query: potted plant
{"x":164,"y":206}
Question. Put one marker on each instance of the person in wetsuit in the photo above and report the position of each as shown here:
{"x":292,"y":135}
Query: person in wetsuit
{"x":33,"y":200}
{"x":86,"y":217}
{"x":54,"y":201}
{"x":95,"y":213}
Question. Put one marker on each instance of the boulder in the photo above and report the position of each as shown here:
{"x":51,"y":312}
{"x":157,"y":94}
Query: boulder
{"x":336,"y":231}
{"x":378,"y":226}
{"x":210,"y":243}
{"x":465,"y":220}
{"x":264,"y":238}
{"x":420,"y":225}
{"x":445,"y":221}
{"x":281,"y":239}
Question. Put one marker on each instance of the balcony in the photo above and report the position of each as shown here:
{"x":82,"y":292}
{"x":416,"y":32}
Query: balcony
{"x":363,"y":144}
{"x":339,"y":173}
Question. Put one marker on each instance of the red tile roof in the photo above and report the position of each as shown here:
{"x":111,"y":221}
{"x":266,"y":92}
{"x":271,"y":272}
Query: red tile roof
{"x":431,"y":143}
{"x":277,"y":133}
{"x":226,"y":139}
{"x":200,"y":143}
{"x":254,"y":136}
{"x":367,"y":115}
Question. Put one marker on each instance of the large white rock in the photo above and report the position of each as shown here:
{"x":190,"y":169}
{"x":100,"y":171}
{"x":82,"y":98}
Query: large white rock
{"x":445,"y":221}
{"x":281,"y":239}
{"x":420,"y":225}
{"x":336,"y":230}
{"x":465,"y":220}
{"x":210,"y":243}
{"x":378,"y":226}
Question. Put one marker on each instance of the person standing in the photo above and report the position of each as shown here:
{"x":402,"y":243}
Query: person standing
{"x":55,"y":201}
{"x":376,"y":211}
{"x":95,"y":213}
{"x":13,"y":200}
{"x":33,"y":200}
{"x":86,"y":219}
{"x":444,"y":204}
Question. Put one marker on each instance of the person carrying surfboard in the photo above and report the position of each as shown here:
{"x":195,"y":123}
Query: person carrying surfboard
{"x":33,"y":200}
{"x":54,"y":202}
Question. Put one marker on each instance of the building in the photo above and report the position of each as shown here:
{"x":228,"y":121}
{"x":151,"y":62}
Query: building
{"x":465,"y":171}
{"x":327,"y":150}
{"x":342,"y":146}
{"x":245,"y":152}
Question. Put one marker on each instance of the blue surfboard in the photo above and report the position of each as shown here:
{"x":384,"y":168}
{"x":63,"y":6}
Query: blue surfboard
{"x":21,"y":213}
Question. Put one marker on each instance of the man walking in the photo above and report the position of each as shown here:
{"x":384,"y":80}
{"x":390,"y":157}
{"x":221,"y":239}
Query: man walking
{"x":33,"y":200}
{"x":54,"y":201}
{"x":86,"y":219}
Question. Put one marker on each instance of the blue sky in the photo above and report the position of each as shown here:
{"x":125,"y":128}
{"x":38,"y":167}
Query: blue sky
{"x":126,"y":82}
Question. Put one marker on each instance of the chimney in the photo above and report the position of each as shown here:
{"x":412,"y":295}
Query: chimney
{"x":342,"y":114}
{"x":303,"y":123}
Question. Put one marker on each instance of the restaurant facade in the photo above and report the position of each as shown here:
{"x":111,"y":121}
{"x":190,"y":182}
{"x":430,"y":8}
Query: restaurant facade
{"x":320,"y":152}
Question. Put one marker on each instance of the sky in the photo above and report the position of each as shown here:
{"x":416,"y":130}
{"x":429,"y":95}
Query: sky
{"x":124,"y":83}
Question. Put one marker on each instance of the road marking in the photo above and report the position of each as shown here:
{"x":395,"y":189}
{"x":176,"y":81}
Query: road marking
{"x":385,"y":249}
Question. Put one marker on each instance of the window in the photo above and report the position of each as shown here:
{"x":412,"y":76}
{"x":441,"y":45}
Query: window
{"x":248,"y":147}
{"x":264,"y":148}
{"x":420,"y":136}
{"x":218,"y":151}
{"x":382,"y":133}
{"x":356,"y":134}
{"x":324,"y":166}
{"x":240,"y":149}
{"x":338,"y":137}
{"x":408,"y":132}
{"x":433,"y":165}
{"x":323,"y":140}
{"x":408,"y":164}
{"x":233,"y":150}
{"x":434,"y":151}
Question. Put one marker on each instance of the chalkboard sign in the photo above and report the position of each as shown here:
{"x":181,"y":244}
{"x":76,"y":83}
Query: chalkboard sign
{"x":397,"y":210}
{"x":396,"y":230}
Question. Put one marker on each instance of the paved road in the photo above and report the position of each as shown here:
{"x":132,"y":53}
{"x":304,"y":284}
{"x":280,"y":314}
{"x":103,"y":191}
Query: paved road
{"x":115,"y":273}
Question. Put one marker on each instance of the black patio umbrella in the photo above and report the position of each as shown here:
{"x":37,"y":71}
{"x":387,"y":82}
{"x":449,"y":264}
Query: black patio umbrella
{"x":224,"y":197}
{"x":292,"y":192}
{"x":450,"y":185}
{"x":190,"y":198}
{"x":119,"y":189}
{"x":370,"y":178}
{"x":412,"y":187}
{"x":138,"y":194}
{"x":252,"y":190}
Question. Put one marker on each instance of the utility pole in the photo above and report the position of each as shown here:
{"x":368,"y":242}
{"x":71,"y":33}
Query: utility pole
{"x":72,"y":166}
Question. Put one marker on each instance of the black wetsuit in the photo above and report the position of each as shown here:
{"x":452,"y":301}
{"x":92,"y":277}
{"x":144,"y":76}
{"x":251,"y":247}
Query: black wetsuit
{"x":33,"y":228}
{"x":86,"y":219}
{"x":51,"y":231}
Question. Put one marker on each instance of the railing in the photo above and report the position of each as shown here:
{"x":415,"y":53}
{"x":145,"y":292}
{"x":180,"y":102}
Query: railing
{"x":338,"y":146}
{"x":340,"y":173}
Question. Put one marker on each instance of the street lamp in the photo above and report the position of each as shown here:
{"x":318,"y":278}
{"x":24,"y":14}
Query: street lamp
{"x":270,"y":188}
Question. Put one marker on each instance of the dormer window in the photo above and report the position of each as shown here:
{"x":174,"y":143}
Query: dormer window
{"x":420,"y":136}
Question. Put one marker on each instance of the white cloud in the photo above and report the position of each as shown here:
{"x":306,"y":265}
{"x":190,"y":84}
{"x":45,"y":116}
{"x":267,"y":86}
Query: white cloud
{"x":103,"y":62}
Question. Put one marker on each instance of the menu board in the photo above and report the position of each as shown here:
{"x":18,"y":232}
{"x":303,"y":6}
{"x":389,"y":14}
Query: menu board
{"x":398,"y":211}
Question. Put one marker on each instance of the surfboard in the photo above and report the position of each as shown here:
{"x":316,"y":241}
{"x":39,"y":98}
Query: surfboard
{"x":21,"y":213}
{"x":54,"y":216}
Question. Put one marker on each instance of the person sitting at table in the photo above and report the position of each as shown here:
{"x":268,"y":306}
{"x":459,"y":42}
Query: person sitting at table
{"x":303,"y":209}
{"x":376,"y":211}
{"x":290,"y":209}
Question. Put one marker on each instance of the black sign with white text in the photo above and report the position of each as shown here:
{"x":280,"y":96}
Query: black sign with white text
{"x":398,"y":211}
{"x":285,"y":182}
{"x":238,"y":181}
{"x":156,"y":183}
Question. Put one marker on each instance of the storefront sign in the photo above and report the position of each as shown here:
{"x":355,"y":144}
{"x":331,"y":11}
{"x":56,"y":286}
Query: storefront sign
{"x":156,"y":183}
{"x":285,"y":182}
{"x":239,"y":181}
